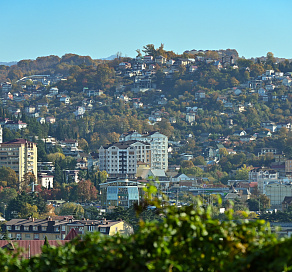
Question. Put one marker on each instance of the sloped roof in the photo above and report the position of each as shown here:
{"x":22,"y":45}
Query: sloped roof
{"x":31,"y":247}
{"x":72,"y":234}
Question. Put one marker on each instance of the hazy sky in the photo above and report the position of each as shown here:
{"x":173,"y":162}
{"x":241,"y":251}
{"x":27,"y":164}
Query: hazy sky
{"x":33,"y":28}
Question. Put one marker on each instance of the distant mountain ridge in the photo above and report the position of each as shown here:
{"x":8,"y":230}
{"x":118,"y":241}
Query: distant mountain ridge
{"x":112,"y":57}
{"x":8,"y":63}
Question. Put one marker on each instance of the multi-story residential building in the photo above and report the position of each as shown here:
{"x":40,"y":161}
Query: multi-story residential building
{"x":158,"y":144}
{"x":263,"y":176}
{"x":59,"y":228}
{"x":20,"y":155}
{"x":14,"y":125}
{"x":288,"y":166}
{"x":1,"y":134}
{"x":191,"y":117}
{"x":120,"y":193}
{"x":6,"y":87}
{"x":277,"y":191}
{"x":120,"y":159}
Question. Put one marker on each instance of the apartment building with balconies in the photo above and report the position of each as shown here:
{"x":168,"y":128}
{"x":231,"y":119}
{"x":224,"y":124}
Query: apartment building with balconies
{"x":158,"y":145}
{"x":120,"y":159}
{"x":20,"y":155}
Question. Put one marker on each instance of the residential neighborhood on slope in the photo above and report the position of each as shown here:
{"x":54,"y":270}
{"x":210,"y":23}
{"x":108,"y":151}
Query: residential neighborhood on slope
{"x":202,"y":123}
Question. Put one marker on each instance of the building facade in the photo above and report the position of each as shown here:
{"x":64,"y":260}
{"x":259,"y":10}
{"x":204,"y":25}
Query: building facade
{"x":20,"y":155}
{"x":120,"y":159}
{"x":58,"y":229}
{"x":277,"y":192}
{"x":158,"y":145}
{"x":120,"y":193}
{"x":263,"y":177}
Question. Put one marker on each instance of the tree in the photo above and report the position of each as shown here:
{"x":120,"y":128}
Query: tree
{"x":270,"y":58}
{"x":86,"y":191}
{"x":242,"y":173}
{"x":7,"y":174}
{"x":187,"y":239}
{"x":56,"y":156}
{"x":18,"y":206}
{"x":223,"y":152}
{"x":58,"y":175}
{"x":28,"y":210}
{"x":149,"y":49}
{"x":46,"y":243}
{"x":187,"y":164}
{"x":71,"y":209}
{"x":8,"y":194}
{"x":199,"y":160}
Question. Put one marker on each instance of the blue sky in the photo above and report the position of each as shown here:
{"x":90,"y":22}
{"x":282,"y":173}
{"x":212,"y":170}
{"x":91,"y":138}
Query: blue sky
{"x":33,"y":28}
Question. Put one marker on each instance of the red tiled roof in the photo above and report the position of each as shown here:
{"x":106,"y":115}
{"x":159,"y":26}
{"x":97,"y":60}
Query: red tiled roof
{"x":31,"y":247}
{"x":72,"y":234}
{"x":253,"y":184}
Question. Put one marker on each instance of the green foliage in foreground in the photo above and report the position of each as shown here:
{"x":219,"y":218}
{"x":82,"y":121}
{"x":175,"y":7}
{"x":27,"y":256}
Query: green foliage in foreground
{"x":187,"y":239}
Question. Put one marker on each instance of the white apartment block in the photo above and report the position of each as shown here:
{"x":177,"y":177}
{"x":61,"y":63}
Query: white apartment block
{"x":1,"y":134}
{"x":158,"y":144}
{"x":263,"y":177}
{"x":120,"y":159}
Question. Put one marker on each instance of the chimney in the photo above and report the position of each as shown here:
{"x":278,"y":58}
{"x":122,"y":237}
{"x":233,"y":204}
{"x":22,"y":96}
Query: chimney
{"x":32,"y":219}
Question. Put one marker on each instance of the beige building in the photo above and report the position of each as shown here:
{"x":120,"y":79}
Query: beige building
{"x":58,"y":229}
{"x":20,"y":155}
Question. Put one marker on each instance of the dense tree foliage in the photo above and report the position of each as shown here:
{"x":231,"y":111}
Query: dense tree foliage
{"x":187,"y":239}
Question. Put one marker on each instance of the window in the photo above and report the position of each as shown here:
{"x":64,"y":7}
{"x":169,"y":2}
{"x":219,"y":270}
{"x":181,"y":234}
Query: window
{"x":63,"y":228}
{"x":8,"y":227}
{"x":18,"y":236}
{"x":26,"y":228}
{"x":35,"y":228}
{"x":36,"y":236}
{"x":56,"y":229}
{"x":27,"y":235}
{"x":17,"y":227}
{"x":90,"y":228}
{"x":57,"y":237}
{"x":44,"y":228}
{"x":9,"y":235}
{"x":102,"y":230}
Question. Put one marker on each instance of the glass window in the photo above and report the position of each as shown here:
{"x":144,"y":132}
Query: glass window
{"x":35,"y":228}
{"x":103,"y":230}
{"x":36,"y":236}
{"x":17,"y":227}
{"x":26,"y":228}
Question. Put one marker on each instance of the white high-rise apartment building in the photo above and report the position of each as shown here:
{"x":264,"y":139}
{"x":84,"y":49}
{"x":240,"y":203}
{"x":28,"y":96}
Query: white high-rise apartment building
{"x":158,"y":143}
{"x":120,"y":159}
